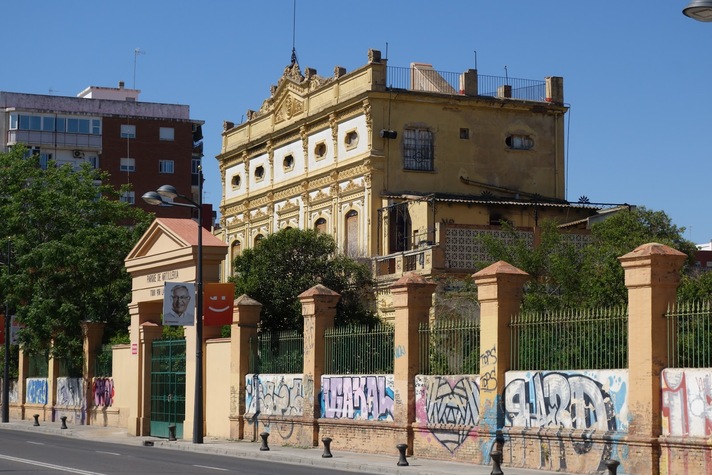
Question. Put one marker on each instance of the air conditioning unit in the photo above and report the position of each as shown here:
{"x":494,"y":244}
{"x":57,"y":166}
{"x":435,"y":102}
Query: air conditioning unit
{"x":77,"y":153}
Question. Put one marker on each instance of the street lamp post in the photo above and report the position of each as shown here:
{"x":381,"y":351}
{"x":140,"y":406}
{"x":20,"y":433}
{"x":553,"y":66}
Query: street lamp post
{"x":6,"y":368}
{"x":163,"y":197}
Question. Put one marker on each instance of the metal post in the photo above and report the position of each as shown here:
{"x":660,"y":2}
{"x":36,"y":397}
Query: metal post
{"x":198,"y":409}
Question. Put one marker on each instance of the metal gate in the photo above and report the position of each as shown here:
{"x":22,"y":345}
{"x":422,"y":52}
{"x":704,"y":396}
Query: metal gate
{"x":167,"y":387}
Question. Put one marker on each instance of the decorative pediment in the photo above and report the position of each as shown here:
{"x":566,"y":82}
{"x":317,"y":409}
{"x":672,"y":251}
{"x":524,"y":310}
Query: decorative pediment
{"x":290,"y":106}
{"x":288,"y":206}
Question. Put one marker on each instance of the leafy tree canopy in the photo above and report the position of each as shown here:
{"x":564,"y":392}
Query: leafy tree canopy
{"x":565,"y":275}
{"x":287,"y":263}
{"x":67,"y":235}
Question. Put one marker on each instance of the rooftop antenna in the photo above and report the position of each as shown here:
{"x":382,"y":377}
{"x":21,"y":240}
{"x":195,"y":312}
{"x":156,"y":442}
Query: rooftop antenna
{"x":386,"y":50}
{"x":506,"y":75}
{"x":475,"y":59}
{"x":137,"y":51}
{"x":294,"y":34}
{"x":52,"y":91}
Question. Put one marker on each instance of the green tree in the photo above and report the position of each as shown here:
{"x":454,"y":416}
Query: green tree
{"x":69,"y":235}
{"x":568,"y":276}
{"x":287,"y":263}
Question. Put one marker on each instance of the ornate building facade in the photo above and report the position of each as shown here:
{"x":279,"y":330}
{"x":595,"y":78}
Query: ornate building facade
{"x":403,"y":166}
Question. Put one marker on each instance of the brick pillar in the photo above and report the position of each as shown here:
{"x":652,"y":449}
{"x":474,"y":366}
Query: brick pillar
{"x":52,"y":375}
{"x":22,"y":374}
{"x":142,"y":422}
{"x":92,"y":333}
{"x":499,"y":290}
{"x":412,"y":298}
{"x":318,"y":310}
{"x":652,"y":274}
{"x":245,"y":317}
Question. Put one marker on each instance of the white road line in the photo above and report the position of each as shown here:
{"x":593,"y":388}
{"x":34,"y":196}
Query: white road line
{"x":49,"y":465}
{"x":107,"y":453}
{"x":211,"y":468}
{"x":34,"y":443}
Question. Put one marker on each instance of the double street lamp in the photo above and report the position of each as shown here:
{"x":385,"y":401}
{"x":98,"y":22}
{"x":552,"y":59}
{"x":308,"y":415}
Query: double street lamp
{"x":164,"y":196}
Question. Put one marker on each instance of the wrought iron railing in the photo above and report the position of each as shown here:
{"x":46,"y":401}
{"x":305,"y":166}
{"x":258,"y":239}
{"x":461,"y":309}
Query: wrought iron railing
{"x":277,"y":352}
{"x":359,"y":349}
{"x":689,"y":335}
{"x":567,"y":340}
{"x":449,"y":347}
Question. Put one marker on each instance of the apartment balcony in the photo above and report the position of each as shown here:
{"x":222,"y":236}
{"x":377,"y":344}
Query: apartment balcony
{"x":37,"y":138}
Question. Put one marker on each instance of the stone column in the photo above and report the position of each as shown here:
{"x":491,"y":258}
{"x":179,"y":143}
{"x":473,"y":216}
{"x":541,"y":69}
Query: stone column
{"x":499,"y":290}
{"x":92,"y":333}
{"x":245,"y":317}
{"x":52,"y":375}
{"x":412,"y":298}
{"x":142,"y":422}
{"x":318,"y":310}
{"x":22,"y":374}
{"x":652,"y":274}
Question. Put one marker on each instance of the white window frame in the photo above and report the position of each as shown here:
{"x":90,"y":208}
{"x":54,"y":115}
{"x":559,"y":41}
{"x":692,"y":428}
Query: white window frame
{"x":166,"y":166}
{"x":128,"y":131}
{"x":167,"y":134}
{"x":127,"y":165}
{"x":128,"y":197}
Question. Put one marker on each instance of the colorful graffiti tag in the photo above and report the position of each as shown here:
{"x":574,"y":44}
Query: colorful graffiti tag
{"x":357,"y":397}
{"x":102,"y":390}
{"x":687,"y":402}
{"x":595,"y":400}
{"x":70,"y":392}
{"x":37,"y":389}
{"x":452,"y":400}
{"x":274,"y":394}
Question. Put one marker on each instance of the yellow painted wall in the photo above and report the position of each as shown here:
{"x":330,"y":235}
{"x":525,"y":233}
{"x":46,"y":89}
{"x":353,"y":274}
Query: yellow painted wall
{"x":217,"y":388}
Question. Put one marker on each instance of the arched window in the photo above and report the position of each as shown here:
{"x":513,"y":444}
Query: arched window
{"x":320,"y":225}
{"x":351,"y":234}
{"x":258,"y":238}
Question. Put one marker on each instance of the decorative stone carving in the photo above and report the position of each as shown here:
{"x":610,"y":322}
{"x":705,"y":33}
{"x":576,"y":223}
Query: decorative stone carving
{"x":290,"y":107}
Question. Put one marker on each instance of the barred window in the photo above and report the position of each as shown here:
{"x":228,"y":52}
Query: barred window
{"x":418,"y":149}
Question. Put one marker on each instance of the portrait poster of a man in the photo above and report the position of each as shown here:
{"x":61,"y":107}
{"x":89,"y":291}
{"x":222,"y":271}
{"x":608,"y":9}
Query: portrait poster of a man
{"x":178,"y":304}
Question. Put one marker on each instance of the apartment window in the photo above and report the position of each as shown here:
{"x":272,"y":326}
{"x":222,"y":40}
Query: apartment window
{"x":418,"y":149}
{"x":96,"y":127}
{"x":464,"y":134}
{"x":48,"y":124}
{"x":165,"y":166}
{"x":44,"y":160}
{"x":195,"y":166}
{"x":127,"y":165}
{"x":129,"y":197}
{"x":519,"y":142}
{"x":128,"y":131}
{"x":94,"y":161}
{"x":166,"y":133}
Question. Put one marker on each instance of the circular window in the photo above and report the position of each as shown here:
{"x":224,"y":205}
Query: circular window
{"x":320,"y":150}
{"x":260,"y":172}
{"x":351,"y":139}
{"x":288,"y":162}
{"x":236,"y":180}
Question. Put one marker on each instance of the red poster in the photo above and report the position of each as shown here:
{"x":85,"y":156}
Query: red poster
{"x":218,"y":303}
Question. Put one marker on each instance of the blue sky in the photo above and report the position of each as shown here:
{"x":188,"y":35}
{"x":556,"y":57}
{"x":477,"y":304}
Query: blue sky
{"x":637,"y":73}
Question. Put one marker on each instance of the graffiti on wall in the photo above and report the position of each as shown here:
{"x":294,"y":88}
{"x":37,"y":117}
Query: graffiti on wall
{"x":452,"y":400}
{"x":102,"y":392}
{"x":687,"y":402}
{"x":357,"y":397}
{"x":36,"y":391}
{"x":12,"y":390}
{"x":70,"y":392}
{"x":274,"y":394}
{"x":593,"y":400}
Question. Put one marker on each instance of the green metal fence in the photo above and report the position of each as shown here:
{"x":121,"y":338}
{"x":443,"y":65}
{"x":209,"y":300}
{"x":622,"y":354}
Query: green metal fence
{"x":359,"y":349}
{"x":449,"y":347}
{"x":103,"y":361}
{"x":277,"y":352}
{"x":567,"y":340}
{"x":689,"y":335}
{"x":38,"y":365}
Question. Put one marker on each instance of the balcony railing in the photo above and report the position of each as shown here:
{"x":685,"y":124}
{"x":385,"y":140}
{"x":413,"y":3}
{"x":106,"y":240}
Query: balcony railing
{"x":59,"y":139}
{"x":426,"y":79}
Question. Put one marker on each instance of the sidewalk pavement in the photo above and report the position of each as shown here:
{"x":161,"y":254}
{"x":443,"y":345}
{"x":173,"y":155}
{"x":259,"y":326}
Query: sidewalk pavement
{"x":349,"y":461}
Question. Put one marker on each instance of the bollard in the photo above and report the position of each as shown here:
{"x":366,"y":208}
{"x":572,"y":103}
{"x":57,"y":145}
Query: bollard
{"x":64,"y":422}
{"x":402,"y":462}
{"x":327,"y":448}
{"x":264,"y":436}
{"x":612,"y":466}
{"x":37,"y":420}
{"x":496,"y":456}
{"x":172,"y":432}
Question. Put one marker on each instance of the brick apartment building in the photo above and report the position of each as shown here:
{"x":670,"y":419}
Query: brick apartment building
{"x":142,"y":144}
